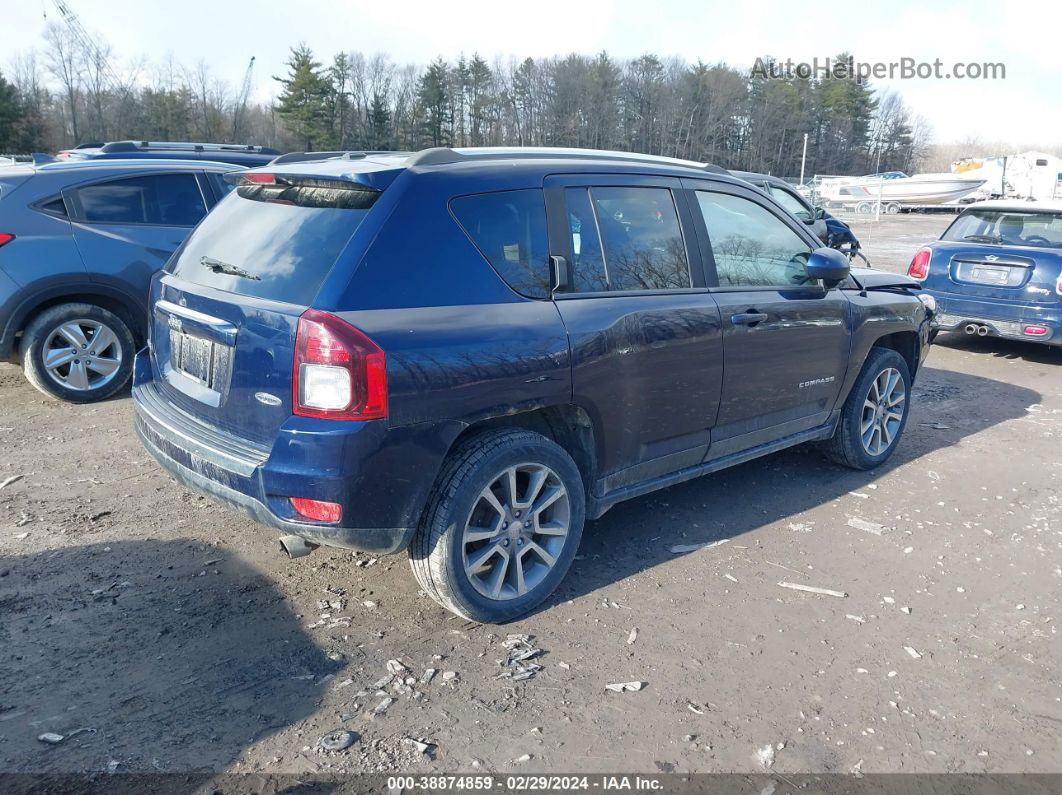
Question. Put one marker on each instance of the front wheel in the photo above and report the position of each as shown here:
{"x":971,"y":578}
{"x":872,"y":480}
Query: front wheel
{"x":875,"y":413}
{"x":502,"y":526}
{"x":77,"y":352}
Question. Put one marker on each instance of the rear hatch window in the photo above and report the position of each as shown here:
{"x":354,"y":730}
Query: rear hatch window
{"x":276,"y":240}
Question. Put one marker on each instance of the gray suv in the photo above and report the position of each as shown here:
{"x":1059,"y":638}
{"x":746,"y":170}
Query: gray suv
{"x":79,"y":243}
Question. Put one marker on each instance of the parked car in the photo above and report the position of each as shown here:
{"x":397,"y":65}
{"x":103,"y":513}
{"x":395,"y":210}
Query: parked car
{"x":466,"y":353}
{"x":237,"y":154}
{"x":997,"y":271}
{"x":79,"y":242}
{"x":834,"y":232}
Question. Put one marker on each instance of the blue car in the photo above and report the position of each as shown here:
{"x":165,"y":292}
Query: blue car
{"x":997,"y":271}
{"x":464,"y":354}
{"x":79,"y":243}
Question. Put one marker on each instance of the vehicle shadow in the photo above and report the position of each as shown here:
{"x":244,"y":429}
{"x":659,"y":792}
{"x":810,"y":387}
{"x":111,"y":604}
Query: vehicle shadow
{"x":636,"y":535}
{"x":1001,"y":348}
{"x":147,"y":657}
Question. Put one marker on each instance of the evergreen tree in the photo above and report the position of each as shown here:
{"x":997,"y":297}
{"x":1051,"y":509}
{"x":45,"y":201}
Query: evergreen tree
{"x":379,"y":123}
{"x":304,"y":103}
{"x":435,"y":101}
{"x":10,"y":117}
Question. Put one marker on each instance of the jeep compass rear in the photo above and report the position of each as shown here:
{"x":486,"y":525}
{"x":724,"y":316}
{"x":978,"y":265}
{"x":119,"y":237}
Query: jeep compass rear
{"x":465,"y":353}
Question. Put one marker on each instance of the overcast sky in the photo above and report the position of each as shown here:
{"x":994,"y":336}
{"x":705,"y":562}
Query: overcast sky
{"x":1025,"y":108}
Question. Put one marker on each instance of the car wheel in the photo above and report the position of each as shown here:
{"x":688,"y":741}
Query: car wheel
{"x":501,"y":527}
{"x":875,"y":413}
{"x":79,"y":352}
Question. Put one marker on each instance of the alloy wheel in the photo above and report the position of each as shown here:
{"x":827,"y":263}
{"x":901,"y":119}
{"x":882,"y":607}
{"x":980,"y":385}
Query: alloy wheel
{"x":82,"y":354}
{"x":883,"y":409}
{"x":516,"y":531}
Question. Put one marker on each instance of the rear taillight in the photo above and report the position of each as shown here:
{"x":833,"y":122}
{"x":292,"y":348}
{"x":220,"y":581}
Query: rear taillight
{"x":1035,"y":331}
{"x":317,"y":510}
{"x":5,"y":238}
{"x":1058,"y":285}
{"x":339,"y":373}
{"x":919,"y":267}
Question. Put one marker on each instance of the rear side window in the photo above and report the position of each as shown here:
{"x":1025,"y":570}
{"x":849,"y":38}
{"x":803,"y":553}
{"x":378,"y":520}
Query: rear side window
{"x":54,"y":206}
{"x":509,"y":229}
{"x":160,"y":199}
{"x":265,"y":245}
{"x":626,"y":239}
{"x":222,"y":187}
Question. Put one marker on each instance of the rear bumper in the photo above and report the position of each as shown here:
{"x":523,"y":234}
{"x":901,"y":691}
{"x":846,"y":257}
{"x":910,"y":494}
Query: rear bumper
{"x":1009,"y":320}
{"x":379,"y":540}
{"x":381,"y":477}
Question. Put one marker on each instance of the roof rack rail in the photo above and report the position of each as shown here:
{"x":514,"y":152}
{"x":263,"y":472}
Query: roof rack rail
{"x":444,"y":155}
{"x":310,"y":157}
{"x":182,"y":146}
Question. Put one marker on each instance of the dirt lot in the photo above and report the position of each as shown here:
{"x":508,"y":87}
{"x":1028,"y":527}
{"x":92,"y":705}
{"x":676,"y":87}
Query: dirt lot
{"x":178,"y":637}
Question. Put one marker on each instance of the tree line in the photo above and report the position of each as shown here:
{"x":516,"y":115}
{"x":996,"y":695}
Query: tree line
{"x":69,"y":92}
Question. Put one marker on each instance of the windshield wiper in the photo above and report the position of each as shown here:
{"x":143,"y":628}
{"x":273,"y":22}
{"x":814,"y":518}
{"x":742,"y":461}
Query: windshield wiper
{"x":984,"y":238}
{"x":218,"y":266}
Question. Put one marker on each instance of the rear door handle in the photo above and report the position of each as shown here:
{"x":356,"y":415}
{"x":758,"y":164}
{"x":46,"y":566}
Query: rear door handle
{"x":747,"y":318}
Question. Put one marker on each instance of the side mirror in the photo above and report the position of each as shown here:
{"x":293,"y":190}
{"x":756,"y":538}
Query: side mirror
{"x":828,"y":265}
{"x":820,"y":214}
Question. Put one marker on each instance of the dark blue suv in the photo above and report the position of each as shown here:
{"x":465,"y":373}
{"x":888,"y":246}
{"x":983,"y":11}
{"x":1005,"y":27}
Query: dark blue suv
{"x":466,"y":353}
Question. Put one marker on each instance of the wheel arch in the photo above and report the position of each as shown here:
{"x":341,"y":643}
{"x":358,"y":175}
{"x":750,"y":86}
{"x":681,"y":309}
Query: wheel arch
{"x":568,"y":425}
{"x":131,"y":312}
{"x":905,"y":343}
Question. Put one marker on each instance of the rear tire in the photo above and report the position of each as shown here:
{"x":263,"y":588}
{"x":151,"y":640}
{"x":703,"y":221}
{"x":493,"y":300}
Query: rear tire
{"x":77,"y":352}
{"x":501,"y":527}
{"x":869,"y":429}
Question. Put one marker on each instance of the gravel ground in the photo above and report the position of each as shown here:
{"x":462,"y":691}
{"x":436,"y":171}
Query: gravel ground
{"x":157,"y":631}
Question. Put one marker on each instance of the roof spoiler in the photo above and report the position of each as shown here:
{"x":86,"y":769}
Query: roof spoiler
{"x":40,"y":158}
{"x":311,"y":157}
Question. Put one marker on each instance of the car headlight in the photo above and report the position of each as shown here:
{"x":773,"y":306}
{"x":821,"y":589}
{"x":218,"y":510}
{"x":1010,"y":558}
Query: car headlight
{"x":928,"y":301}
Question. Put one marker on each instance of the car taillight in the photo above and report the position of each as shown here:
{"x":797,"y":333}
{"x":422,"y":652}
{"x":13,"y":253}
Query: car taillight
{"x":5,"y":238}
{"x":919,"y":267}
{"x":1058,"y":285}
{"x":339,"y":373}
{"x":1035,"y":331}
{"x":317,"y":510}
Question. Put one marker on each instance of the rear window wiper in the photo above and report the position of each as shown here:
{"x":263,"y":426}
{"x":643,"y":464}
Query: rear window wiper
{"x":218,"y":266}
{"x":984,"y":238}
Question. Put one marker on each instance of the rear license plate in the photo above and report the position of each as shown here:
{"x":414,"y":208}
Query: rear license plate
{"x":193,"y":356}
{"x":991,"y":275}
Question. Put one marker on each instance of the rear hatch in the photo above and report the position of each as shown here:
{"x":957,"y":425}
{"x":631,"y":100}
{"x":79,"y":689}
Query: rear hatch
{"x":1022,"y":274}
{"x":225,"y":314}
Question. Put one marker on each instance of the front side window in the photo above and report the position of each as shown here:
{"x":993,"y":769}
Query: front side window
{"x":752,"y":246}
{"x":626,"y":239}
{"x":509,"y":229}
{"x":161,"y":199}
{"x":790,"y":202}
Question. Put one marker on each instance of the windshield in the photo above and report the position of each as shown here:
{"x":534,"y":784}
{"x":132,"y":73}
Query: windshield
{"x":1007,"y":228}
